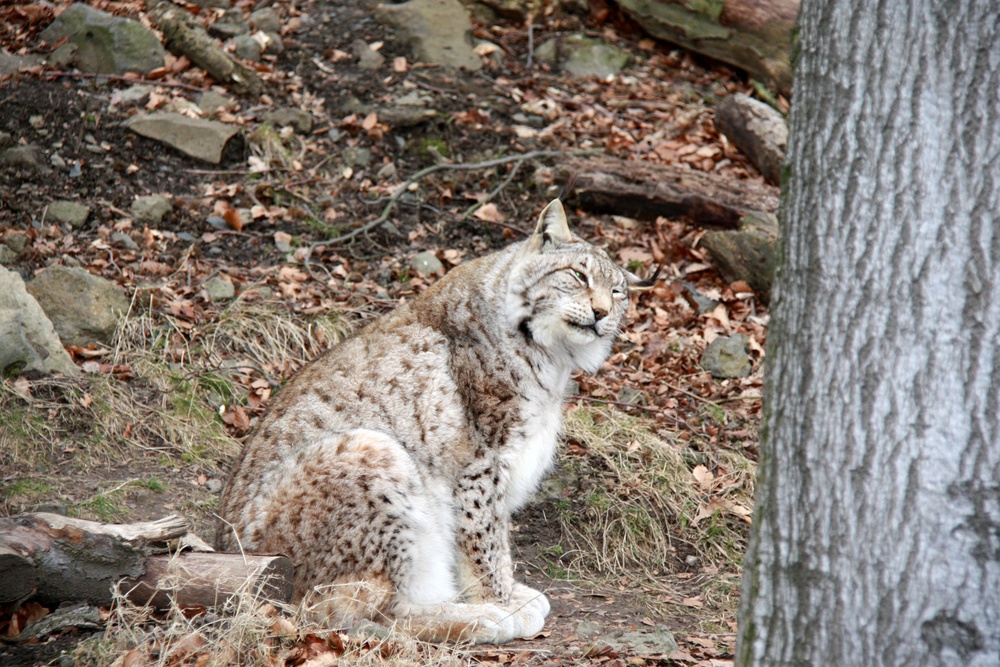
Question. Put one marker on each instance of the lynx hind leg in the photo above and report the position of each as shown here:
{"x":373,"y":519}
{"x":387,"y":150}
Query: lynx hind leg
{"x":360,"y":527}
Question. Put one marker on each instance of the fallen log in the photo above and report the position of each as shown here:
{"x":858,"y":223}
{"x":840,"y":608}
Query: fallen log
{"x":55,"y":559}
{"x":647,"y":191}
{"x":184,"y":36}
{"x":749,"y":253}
{"x":754,"y":35}
{"x":757,"y":129}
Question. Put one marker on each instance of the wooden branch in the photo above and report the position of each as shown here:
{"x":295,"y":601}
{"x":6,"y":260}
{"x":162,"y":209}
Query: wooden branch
{"x":757,"y":129}
{"x":647,"y":191}
{"x":184,"y":36}
{"x":194,"y":579}
{"x":57,"y":559}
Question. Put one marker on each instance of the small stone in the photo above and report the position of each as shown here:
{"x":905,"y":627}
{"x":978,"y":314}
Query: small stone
{"x":591,"y":57}
{"x":29,"y":157}
{"x":412,"y":99}
{"x":68,"y":212}
{"x":37,"y":122}
{"x":125,"y":241}
{"x":273,"y":44}
{"x":548,"y":52}
{"x":587,"y":629}
{"x":150,"y":209}
{"x":302,"y":121}
{"x":17,"y":242}
{"x":131,"y":96}
{"x":387,"y":172}
{"x":6,"y":139}
{"x":367,"y":59}
{"x":217,"y":222}
{"x":246,"y":47}
{"x":657,"y":640}
{"x":427,"y":263}
{"x":210,"y":102}
{"x":201,"y":139}
{"x":214,"y":485}
{"x":630,"y":395}
{"x":266,"y":19}
{"x":727,"y":357}
{"x":356,"y":157}
{"x":57,"y":161}
{"x":219,"y":289}
{"x":436,"y":30}
{"x":229,"y":25}
{"x":7,"y":256}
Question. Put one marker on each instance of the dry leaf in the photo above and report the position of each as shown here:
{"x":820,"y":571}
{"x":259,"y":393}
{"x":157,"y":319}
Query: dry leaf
{"x":486,"y":48}
{"x":703,"y":475}
{"x":399,"y":64}
{"x":490,"y":213}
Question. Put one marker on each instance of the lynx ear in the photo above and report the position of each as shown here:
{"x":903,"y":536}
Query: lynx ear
{"x":551,"y":227}
{"x":637,"y":284}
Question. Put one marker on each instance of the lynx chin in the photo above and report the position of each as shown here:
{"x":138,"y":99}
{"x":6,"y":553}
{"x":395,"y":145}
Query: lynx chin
{"x":388,"y":469}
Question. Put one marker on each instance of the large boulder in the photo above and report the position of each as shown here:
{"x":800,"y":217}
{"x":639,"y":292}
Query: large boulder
{"x":106,"y":44}
{"x":28,"y":341}
{"x":83,"y":307}
{"x":438,"y":31}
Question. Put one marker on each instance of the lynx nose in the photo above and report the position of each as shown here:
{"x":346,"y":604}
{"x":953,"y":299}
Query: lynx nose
{"x":599,"y":314}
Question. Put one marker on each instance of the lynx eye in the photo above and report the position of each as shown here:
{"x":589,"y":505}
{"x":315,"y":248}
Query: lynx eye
{"x":579,"y":275}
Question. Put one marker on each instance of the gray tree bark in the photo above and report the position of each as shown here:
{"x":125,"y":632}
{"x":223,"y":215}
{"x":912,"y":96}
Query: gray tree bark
{"x":876,"y":537}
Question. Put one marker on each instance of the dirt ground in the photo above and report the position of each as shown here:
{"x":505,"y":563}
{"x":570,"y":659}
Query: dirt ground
{"x":187,"y":377}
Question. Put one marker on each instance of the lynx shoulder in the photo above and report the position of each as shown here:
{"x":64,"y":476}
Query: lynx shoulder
{"x":388,"y":469}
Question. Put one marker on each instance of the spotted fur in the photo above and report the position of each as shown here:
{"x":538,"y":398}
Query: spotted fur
{"x":388,"y":469}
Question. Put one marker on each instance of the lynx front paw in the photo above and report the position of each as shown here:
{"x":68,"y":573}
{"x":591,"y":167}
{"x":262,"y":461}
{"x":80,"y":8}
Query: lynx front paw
{"x":529,"y":607}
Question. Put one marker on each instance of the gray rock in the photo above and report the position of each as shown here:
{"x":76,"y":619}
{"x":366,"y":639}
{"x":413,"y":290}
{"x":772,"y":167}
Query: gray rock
{"x":426,"y":263}
{"x":150,"y":209}
{"x":12,"y":64}
{"x":201,"y":139}
{"x":6,"y":139}
{"x":7,"y":257}
{"x":106,"y":44}
{"x":246,"y":47}
{"x":548,"y":52}
{"x":367,"y":59}
{"x":213,"y":4}
{"x":436,"y":30}
{"x":67,"y":212}
{"x":214,"y":485}
{"x":229,"y":25}
{"x":705,"y":305}
{"x":131,"y":96}
{"x":27,"y":339}
{"x":629,"y":395}
{"x":63,"y":56}
{"x":266,"y":19}
{"x":657,"y":640}
{"x":387,"y":172}
{"x":356,"y":157}
{"x":124,"y":240}
{"x":302,"y":121}
{"x":219,"y":289}
{"x":727,"y":357}
{"x":273,"y":44}
{"x":83,"y":307}
{"x":29,"y":158}
{"x":592,"y":57}
{"x":210,"y":102}
{"x":16,"y":241}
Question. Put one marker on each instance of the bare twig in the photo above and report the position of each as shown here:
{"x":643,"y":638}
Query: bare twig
{"x":130,"y":79}
{"x":415,"y":178}
{"x":475,"y":207}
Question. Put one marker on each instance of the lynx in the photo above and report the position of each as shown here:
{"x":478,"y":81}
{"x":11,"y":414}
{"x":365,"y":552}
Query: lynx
{"x":388,"y":469}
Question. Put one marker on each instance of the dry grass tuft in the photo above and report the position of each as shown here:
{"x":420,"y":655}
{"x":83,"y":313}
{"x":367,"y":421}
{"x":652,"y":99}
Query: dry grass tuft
{"x":644,"y":501}
{"x":249,"y":632}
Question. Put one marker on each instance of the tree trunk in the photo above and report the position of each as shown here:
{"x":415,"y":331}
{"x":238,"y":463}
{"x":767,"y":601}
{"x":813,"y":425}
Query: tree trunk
{"x":755,"y":35}
{"x":876,"y":537}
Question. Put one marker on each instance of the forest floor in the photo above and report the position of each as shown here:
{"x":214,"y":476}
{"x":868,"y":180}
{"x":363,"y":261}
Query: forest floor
{"x":644,"y":523}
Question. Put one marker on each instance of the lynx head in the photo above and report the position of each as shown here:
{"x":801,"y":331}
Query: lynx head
{"x":567,"y":295}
